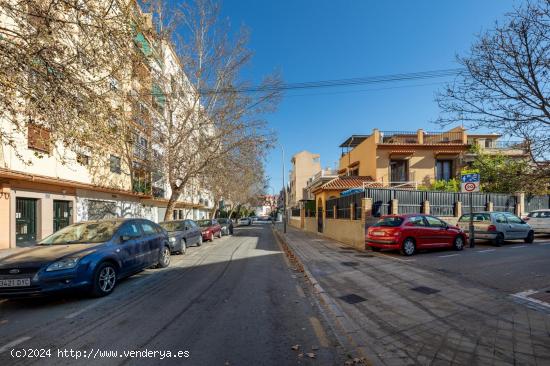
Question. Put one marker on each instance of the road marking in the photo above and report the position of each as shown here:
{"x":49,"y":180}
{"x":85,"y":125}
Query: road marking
{"x":486,"y":250}
{"x":517,"y":246}
{"x":545,"y":244}
{"x":392,"y":257}
{"x":14,"y":343}
{"x":448,"y":255}
{"x":319,"y":331}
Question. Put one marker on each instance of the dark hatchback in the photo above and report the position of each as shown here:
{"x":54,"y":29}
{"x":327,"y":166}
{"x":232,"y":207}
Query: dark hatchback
{"x":182,"y":233}
{"x":91,"y":256}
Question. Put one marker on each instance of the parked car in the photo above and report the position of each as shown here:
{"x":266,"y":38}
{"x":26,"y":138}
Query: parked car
{"x":92,"y":256}
{"x":254,"y":218}
{"x":210,"y":229}
{"x":227,"y":226}
{"x":497,"y":227}
{"x":244,"y":221}
{"x":409,"y":233}
{"x":181,"y":234}
{"x":539,"y":220}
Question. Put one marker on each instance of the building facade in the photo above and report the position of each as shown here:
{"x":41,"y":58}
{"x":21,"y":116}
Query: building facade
{"x":304,"y":165}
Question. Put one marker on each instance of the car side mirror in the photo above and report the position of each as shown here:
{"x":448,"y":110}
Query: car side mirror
{"x":187,"y":228}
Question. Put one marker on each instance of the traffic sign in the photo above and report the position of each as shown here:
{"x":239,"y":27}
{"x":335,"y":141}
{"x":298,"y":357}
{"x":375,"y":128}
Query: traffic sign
{"x":469,"y":181}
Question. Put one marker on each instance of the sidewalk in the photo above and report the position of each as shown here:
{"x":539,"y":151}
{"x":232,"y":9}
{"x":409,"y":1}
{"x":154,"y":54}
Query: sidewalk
{"x":405,"y":315}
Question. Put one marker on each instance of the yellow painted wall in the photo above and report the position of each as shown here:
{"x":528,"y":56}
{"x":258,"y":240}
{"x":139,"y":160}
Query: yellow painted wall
{"x":350,"y":232}
{"x":294,"y":222}
{"x":310,"y":224}
{"x":365,"y":153}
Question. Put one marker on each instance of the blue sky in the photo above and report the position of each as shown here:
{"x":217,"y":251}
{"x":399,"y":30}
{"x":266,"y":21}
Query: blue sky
{"x":310,"y":40}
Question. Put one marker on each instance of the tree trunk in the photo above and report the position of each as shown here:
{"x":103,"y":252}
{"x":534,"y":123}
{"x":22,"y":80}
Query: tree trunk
{"x":214,"y":210}
{"x":171,"y":203}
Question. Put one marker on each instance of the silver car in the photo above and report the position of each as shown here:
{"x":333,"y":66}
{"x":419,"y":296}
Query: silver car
{"x":539,"y":220}
{"x":497,"y":227}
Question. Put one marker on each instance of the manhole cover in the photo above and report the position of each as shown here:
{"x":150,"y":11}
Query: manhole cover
{"x":350,"y":264}
{"x":425,"y":290}
{"x":364,"y":255}
{"x":352,"y":298}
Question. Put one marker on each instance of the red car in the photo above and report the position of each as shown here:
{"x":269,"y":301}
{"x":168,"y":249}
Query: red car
{"x":409,"y":233}
{"x":210,"y":229}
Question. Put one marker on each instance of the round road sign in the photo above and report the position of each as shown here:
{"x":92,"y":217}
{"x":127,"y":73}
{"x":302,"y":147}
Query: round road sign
{"x":470,"y":187}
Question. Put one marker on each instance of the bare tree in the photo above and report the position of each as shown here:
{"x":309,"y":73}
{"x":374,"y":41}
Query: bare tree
{"x":505,"y":86}
{"x":204,"y":116}
{"x":60,"y":63}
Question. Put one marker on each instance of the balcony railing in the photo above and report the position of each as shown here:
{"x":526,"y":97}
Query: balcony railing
{"x":140,"y":152}
{"x":519,"y":145}
{"x":421,"y":137}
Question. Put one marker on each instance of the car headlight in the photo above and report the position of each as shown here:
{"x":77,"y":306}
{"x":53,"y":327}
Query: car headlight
{"x":172,"y":239}
{"x":66,"y":263}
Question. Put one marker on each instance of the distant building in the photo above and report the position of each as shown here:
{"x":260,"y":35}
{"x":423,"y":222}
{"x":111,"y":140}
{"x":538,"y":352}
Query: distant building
{"x":304,"y":165}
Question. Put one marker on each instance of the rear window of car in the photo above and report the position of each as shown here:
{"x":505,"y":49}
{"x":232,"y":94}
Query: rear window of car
{"x":389,"y":222}
{"x":478,"y":217}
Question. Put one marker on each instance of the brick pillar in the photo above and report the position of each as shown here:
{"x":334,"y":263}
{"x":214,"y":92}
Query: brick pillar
{"x":489,"y":206}
{"x":394,"y":210}
{"x":367,"y":209}
{"x":458,"y":209}
{"x":420,"y":136}
{"x":334,"y":212}
{"x":351,"y":211}
{"x":426,"y":207}
{"x":520,"y":205}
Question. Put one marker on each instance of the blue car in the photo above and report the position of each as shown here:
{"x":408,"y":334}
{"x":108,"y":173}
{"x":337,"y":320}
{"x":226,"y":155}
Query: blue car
{"x":92,"y":256}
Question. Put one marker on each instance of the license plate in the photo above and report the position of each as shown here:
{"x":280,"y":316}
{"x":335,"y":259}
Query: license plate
{"x":15,"y":282}
{"x":378,"y":233}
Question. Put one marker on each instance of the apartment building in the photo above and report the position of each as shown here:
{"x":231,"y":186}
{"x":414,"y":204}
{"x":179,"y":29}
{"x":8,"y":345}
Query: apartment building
{"x":304,"y":165}
{"x":412,"y":158}
{"x":40,"y":192}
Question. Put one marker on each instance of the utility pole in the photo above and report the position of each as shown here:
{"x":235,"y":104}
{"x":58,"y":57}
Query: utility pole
{"x":284,"y":191}
{"x":471,"y":226}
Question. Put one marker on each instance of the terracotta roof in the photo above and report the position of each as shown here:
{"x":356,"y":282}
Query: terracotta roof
{"x":343,"y":183}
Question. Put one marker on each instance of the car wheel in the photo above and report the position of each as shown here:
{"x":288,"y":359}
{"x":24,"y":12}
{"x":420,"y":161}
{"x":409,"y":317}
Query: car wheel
{"x":530,"y":237}
{"x":183,"y":246}
{"x":220,"y":234}
{"x":105,"y":278}
{"x":408,"y":248}
{"x":458,"y":243}
{"x":375,"y":249}
{"x":164,"y":259}
{"x":199,"y":243}
{"x":211,"y":237}
{"x":499,"y":240}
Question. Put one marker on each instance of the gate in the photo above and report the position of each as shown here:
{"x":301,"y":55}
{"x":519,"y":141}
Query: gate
{"x":25,"y":221}
{"x":381,"y":200}
{"x":61,"y":214}
{"x":536,"y":202}
{"x":320,"y":218}
{"x":410,"y":201}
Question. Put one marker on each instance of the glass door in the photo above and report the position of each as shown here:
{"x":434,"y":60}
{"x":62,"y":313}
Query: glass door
{"x":61,"y":214}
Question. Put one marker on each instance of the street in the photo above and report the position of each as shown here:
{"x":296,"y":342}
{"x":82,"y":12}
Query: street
{"x":233,"y":301}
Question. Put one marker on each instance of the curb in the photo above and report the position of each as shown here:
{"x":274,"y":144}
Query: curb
{"x":368,"y":356}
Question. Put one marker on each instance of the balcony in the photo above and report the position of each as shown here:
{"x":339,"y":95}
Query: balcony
{"x":420,"y":137}
{"x":140,"y":152}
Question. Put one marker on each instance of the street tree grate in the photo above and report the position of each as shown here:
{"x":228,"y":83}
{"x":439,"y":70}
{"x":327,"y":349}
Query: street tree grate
{"x":425,"y":290}
{"x":350,"y":264}
{"x":352,"y":299}
{"x":364,"y":255}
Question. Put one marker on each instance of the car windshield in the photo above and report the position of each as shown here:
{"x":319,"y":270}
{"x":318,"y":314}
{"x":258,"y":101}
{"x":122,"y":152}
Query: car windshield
{"x":173,"y":225}
{"x":477,"y":217}
{"x":204,"y":223}
{"x":222,"y":221}
{"x":85,"y":232}
{"x":389,"y":222}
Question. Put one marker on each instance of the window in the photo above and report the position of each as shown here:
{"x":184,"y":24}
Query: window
{"x":82,"y":159}
{"x":115,"y":164}
{"x":175,"y":215}
{"x":435,"y":222}
{"x":513,"y":219}
{"x":500,"y":219}
{"x":444,"y":170}
{"x":38,"y":138}
{"x":148,"y":229}
{"x":129,"y":229}
{"x":417,"y":221}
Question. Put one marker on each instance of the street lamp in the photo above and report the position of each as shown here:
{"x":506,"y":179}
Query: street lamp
{"x":284,"y":191}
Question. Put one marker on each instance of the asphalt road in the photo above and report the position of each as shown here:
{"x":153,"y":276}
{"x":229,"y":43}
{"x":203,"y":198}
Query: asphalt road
{"x":235,"y":301}
{"x":512,"y":268}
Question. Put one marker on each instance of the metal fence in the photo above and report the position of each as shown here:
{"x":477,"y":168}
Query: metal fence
{"x":441,"y":203}
{"x":343,"y":206}
{"x":536,"y":202}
